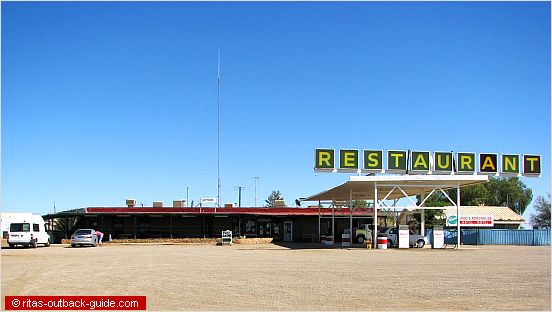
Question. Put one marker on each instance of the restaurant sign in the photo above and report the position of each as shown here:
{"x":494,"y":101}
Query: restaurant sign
{"x":424,"y":162}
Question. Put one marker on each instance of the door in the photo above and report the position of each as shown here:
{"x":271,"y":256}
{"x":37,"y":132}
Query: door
{"x":288,"y":231}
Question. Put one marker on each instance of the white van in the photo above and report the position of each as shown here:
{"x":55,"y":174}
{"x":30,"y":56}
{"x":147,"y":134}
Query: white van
{"x":27,"y":231}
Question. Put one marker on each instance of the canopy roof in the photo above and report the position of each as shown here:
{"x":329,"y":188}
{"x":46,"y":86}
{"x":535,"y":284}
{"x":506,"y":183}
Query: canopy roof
{"x":362,"y":187}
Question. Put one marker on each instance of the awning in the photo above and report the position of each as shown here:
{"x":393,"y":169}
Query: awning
{"x":362,"y":187}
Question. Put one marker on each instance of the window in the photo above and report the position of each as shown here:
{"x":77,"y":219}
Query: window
{"x":36,"y":228}
{"x":83,"y":232}
{"x":20,"y":227}
{"x":250,"y":226}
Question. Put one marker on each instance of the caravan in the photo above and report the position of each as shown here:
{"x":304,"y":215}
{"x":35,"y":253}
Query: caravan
{"x":27,"y":231}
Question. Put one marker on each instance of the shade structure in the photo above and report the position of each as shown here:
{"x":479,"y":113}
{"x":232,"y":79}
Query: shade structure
{"x":362,"y":187}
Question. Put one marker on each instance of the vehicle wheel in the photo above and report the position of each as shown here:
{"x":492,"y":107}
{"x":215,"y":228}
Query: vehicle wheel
{"x":420,"y":244}
{"x":389,"y":243}
{"x":47,"y":243}
{"x":95,"y":245}
{"x":360,"y":239}
{"x":12,"y":245}
{"x":34,"y":244}
{"x":73,"y":245}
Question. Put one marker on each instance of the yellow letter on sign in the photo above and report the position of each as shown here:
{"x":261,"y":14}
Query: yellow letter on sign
{"x":487,"y":163}
{"x":348,"y":159}
{"x":324,"y":159}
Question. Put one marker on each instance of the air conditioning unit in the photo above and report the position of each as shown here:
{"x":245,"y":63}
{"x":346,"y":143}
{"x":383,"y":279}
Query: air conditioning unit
{"x":279,"y":203}
{"x":179,"y":203}
{"x":130,"y":202}
{"x":228,"y":205}
{"x":157,"y":204}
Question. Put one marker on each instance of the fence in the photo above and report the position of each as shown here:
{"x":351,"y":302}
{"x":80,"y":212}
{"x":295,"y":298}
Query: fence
{"x":540,"y":237}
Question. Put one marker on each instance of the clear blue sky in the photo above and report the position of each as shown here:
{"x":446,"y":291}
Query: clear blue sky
{"x":103,"y":101}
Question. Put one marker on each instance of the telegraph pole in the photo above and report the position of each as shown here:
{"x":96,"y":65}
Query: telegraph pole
{"x":239,"y":188}
{"x":255,"y":178}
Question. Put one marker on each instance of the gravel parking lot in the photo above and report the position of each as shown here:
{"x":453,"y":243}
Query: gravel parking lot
{"x":275,"y":277}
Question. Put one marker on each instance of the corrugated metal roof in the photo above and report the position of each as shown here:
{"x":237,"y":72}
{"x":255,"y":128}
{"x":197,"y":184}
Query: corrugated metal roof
{"x":498,"y":213}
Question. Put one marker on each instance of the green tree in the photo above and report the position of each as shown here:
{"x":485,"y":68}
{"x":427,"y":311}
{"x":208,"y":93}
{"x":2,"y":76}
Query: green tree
{"x":510,"y":192}
{"x":433,"y":216}
{"x":271,"y":200}
{"x":541,"y":219}
{"x":359,"y":204}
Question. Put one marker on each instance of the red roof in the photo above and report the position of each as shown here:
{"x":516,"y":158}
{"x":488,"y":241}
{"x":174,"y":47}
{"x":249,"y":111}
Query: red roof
{"x":228,"y":211}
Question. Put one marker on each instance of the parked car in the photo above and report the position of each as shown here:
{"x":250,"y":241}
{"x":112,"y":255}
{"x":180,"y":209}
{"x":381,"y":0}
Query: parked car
{"x":414,"y":240}
{"x":27,"y":231}
{"x":83,"y":237}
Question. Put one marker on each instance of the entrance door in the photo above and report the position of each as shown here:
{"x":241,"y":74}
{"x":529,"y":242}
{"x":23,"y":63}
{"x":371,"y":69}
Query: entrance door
{"x":288,"y":231}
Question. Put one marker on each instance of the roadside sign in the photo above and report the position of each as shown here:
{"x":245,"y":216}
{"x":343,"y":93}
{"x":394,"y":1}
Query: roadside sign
{"x":471,"y":221}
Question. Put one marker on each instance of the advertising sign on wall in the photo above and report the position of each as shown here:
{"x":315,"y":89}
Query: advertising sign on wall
{"x":471,"y":220}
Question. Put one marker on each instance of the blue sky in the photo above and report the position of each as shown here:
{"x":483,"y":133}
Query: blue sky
{"x":103,"y":101}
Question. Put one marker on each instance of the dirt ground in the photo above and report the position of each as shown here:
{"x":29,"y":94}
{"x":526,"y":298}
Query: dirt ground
{"x":295,"y":277}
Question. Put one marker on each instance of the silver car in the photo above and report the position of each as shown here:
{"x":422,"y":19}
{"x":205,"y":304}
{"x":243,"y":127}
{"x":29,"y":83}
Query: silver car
{"x":84,"y":237}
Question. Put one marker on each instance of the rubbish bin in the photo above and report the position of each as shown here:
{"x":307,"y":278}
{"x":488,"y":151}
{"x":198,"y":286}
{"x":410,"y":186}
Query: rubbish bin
{"x":382,"y":241}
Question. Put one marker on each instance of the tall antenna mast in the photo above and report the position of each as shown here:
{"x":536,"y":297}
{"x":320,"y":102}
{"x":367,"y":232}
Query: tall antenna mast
{"x":218,"y":130}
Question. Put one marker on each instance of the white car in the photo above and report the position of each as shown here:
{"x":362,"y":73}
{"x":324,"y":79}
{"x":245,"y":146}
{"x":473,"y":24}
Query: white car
{"x":27,"y":231}
{"x":414,"y":240}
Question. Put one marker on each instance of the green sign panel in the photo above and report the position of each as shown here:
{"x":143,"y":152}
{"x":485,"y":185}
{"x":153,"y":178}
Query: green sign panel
{"x":452,"y":220}
{"x":324,"y":159}
{"x":373,"y":160}
{"x":442,"y":162}
{"x":396,"y":161}
{"x":488,"y":163}
{"x":465,"y":163}
{"x":510,"y":164}
{"x":532,"y":165}
{"x":348,"y":159}
{"x":420,"y":162}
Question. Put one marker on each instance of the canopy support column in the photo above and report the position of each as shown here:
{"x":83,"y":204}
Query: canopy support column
{"x":375,"y":235}
{"x":422,"y":217}
{"x":319,"y":240}
{"x":458,"y":215}
{"x":351,"y":216}
{"x":333,"y":222}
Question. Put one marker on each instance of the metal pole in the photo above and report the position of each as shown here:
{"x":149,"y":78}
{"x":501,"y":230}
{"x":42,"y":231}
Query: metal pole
{"x":239,"y":188}
{"x":319,"y":221}
{"x":422,"y":225}
{"x":218,"y":130}
{"x":255,"y":178}
{"x":333,"y":222}
{"x":351,"y":216}
{"x":458,"y":214}
{"x":374,"y":241}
